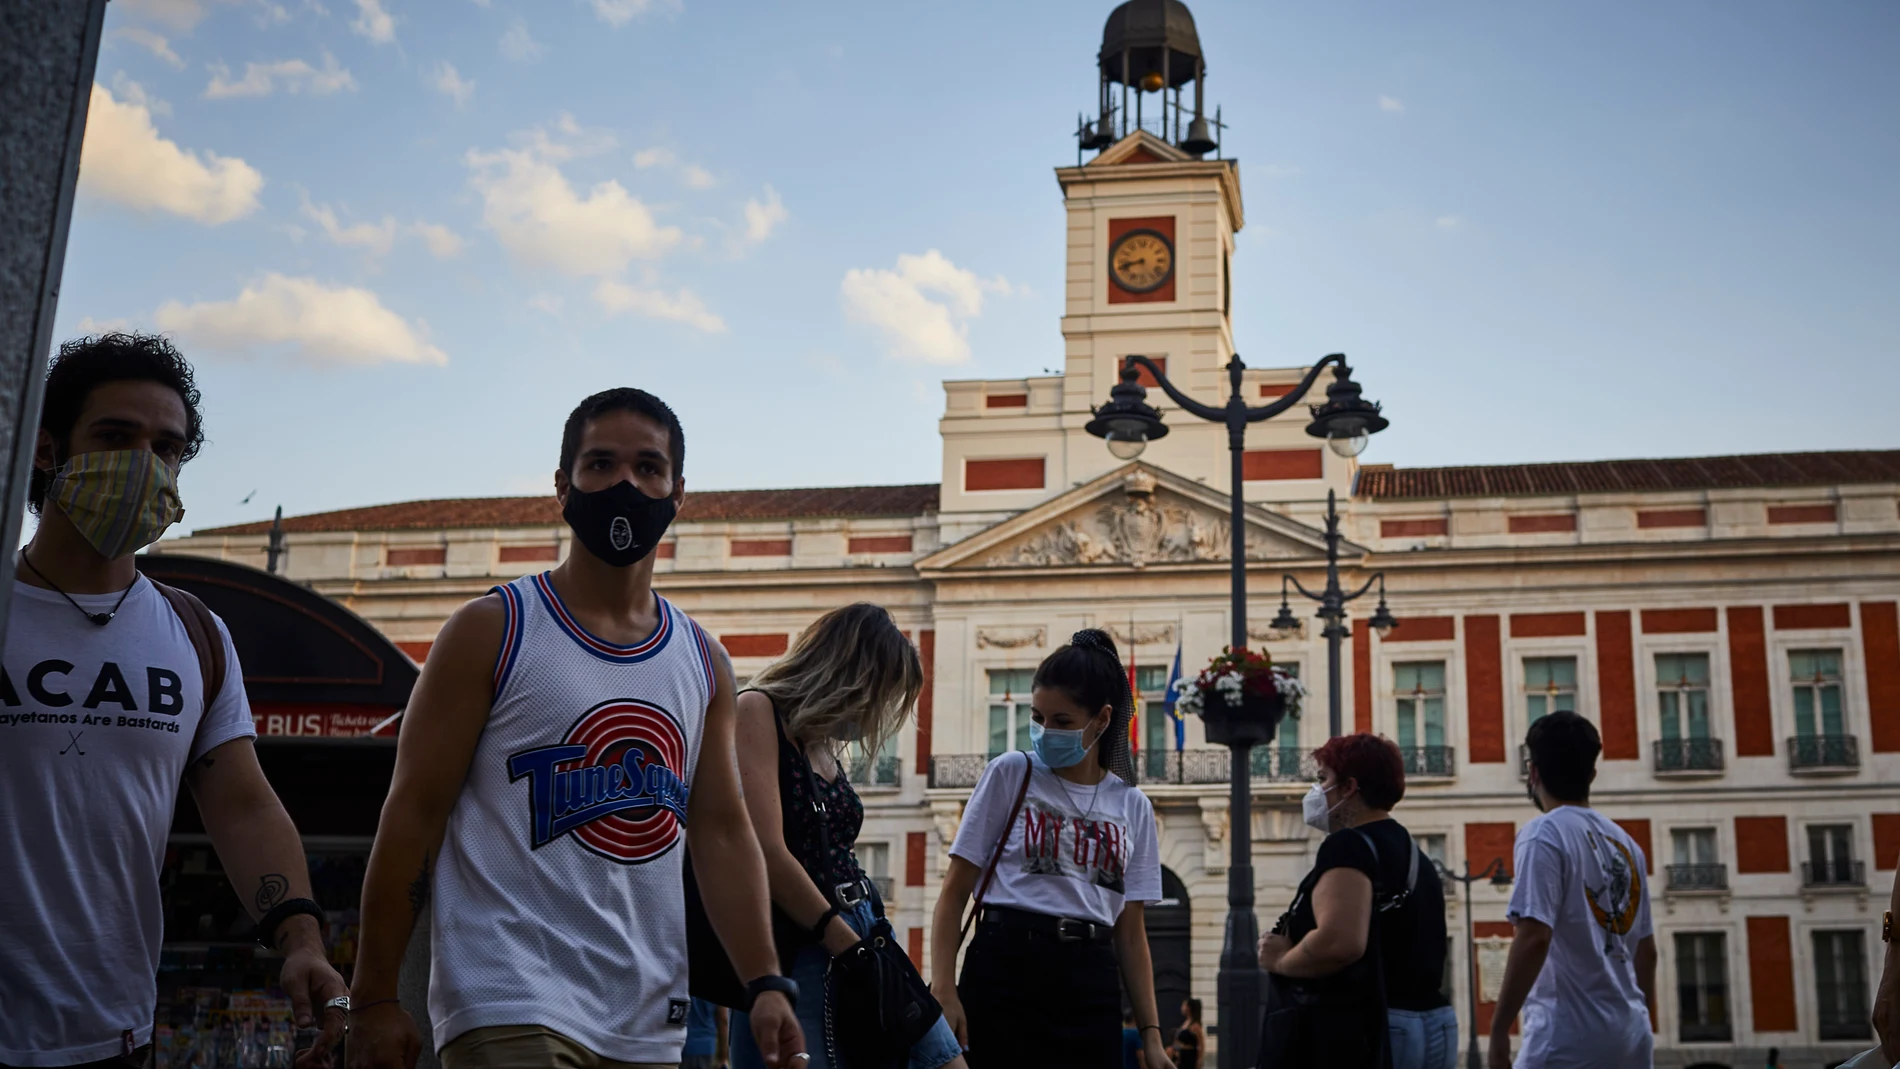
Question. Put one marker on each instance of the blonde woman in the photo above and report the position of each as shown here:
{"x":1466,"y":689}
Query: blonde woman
{"x":851,"y":677}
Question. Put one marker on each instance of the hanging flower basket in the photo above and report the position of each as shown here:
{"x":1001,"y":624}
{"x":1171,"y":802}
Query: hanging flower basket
{"x":1241,"y":697}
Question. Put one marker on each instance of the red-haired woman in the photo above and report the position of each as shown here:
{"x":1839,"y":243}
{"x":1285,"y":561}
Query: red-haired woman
{"x":1357,"y":960}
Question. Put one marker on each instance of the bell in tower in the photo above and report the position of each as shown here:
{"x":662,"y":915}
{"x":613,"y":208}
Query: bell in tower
{"x":1150,"y":46}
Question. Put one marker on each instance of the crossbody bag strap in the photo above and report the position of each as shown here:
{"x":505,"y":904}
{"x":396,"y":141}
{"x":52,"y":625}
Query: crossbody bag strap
{"x":996,"y":855}
{"x":818,"y":810}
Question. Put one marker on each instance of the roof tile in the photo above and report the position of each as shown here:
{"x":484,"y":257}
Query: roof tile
{"x":542,"y":511}
{"x":1610,"y":476}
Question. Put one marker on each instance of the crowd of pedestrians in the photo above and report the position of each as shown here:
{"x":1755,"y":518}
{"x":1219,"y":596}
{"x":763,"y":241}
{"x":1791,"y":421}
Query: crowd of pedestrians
{"x":590,"y":911}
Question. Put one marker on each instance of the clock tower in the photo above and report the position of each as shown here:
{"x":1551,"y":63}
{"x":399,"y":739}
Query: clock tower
{"x":1153,"y":207}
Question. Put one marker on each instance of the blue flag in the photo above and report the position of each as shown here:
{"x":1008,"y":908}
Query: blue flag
{"x":1174,"y":694}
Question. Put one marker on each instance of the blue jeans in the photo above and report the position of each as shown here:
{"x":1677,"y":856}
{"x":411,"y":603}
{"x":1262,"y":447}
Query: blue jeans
{"x":1423,"y":1040}
{"x":937,"y":1047}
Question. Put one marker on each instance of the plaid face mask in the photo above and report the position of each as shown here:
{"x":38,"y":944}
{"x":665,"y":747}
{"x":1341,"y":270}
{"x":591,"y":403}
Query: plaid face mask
{"x":120,"y":500}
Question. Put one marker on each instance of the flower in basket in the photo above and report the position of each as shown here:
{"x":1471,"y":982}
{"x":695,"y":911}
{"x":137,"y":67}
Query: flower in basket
{"x":1236,"y":674}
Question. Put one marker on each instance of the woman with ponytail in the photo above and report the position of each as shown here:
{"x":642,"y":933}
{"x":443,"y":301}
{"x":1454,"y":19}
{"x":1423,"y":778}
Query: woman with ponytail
{"x":1059,"y":848}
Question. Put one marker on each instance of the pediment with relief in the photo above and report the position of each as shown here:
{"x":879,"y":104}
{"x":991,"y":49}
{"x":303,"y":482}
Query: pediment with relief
{"x":1133,"y":517}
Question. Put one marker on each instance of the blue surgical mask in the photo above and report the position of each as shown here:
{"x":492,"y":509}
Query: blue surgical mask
{"x":1056,"y":747}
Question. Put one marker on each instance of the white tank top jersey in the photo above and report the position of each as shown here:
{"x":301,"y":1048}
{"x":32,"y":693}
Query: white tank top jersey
{"x":556,"y":897}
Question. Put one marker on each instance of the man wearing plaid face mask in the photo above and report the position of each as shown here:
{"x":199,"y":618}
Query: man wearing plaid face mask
{"x":105,"y":707}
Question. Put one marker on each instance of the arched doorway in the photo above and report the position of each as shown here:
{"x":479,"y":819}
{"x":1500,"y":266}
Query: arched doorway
{"x":1169,"y":940}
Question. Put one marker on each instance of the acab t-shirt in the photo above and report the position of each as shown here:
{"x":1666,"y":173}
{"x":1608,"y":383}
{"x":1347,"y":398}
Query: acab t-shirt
{"x":1073,"y":851}
{"x":1579,"y":873}
{"x":97,"y":727}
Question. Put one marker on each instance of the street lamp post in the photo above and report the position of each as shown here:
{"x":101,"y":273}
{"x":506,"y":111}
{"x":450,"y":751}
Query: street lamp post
{"x":1495,"y":872}
{"x":1332,"y":609}
{"x":1128,"y":423}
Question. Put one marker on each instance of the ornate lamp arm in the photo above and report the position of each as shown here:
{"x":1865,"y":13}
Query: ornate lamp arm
{"x":1268,"y":411}
{"x":1189,"y":404}
{"x":1301,"y":589}
{"x":1377,"y":577}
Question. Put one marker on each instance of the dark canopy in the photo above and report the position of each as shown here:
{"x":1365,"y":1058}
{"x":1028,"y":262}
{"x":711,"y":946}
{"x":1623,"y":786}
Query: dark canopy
{"x":1148,"y":30}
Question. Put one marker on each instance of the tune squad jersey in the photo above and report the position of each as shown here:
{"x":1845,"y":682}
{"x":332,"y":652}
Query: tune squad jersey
{"x":556,"y":896}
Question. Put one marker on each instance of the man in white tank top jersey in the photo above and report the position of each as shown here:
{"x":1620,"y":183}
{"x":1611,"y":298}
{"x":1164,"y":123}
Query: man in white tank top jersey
{"x":571,"y":733}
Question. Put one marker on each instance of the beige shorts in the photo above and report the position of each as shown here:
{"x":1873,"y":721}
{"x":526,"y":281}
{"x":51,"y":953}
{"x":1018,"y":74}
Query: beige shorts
{"x":527,"y":1046}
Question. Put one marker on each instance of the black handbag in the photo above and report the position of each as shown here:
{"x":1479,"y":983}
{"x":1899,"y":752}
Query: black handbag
{"x":1337,"y":1021}
{"x":878,"y":1006}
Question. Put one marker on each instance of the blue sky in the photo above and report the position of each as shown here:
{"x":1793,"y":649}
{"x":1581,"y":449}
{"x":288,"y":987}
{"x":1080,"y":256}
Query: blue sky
{"x":401,"y":239}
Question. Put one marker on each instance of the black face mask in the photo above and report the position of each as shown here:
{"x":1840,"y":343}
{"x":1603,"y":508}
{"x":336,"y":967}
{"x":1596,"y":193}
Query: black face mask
{"x":620,"y":525}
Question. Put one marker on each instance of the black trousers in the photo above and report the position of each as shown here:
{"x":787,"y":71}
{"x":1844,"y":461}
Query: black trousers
{"x":1035,"y":1002}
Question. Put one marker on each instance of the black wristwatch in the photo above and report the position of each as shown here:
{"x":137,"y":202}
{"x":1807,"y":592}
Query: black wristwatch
{"x":784,"y":985}
{"x":267,"y":925}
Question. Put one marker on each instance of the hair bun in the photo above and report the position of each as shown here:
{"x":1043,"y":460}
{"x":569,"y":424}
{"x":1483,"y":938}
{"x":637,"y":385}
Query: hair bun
{"x":1094,"y":638}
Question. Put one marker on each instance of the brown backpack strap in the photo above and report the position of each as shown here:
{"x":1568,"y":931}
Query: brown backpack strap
{"x":202,"y":627}
{"x":996,"y":855}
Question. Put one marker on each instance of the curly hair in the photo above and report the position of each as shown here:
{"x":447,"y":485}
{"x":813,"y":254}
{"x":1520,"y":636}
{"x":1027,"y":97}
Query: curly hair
{"x":82,"y":365}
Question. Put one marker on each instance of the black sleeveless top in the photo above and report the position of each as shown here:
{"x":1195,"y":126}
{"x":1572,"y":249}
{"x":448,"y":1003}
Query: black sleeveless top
{"x":834,"y":802}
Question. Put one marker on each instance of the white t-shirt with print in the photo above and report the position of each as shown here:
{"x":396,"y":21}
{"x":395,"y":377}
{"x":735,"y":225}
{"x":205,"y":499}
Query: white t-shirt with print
{"x":97,"y":727}
{"x":1074,"y":851}
{"x":1579,"y":873}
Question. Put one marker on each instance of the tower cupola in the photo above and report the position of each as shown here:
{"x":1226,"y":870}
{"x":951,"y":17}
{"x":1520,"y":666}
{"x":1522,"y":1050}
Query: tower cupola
{"x":1150,"y":47}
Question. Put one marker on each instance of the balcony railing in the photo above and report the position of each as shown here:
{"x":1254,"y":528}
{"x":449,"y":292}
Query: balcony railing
{"x":1707,"y":1032}
{"x":1705,"y":877}
{"x":1268,"y":764}
{"x":1820,"y":753}
{"x":1839,"y":872}
{"x":882,"y":772}
{"x":1688,"y":755}
{"x":1838,"y":1023}
{"x":1426,"y":761}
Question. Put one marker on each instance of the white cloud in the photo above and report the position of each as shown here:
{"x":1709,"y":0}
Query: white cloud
{"x":442,"y":242}
{"x":1449,"y":222}
{"x":519,"y":45}
{"x":124,"y":160}
{"x":763,"y":216}
{"x":374,"y":238}
{"x":180,"y":15}
{"x":682,"y":307}
{"x":134,"y":94}
{"x":621,"y":12}
{"x":549,"y":303}
{"x":89,"y":325}
{"x":301,"y":317}
{"x":539,"y":217}
{"x":654,"y":157}
{"x":692,"y":174}
{"x":1391,"y":104}
{"x":373,"y":22}
{"x":294,"y":75}
{"x":450,"y":83}
{"x":154,"y":43}
{"x":914,"y":325}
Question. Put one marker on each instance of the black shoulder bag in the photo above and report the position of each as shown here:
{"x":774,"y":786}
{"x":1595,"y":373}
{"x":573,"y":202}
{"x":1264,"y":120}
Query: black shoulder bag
{"x":877,"y":1005}
{"x":1336,"y":1021}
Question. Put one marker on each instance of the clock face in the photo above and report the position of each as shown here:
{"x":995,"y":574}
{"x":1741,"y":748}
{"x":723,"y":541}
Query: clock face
{"x":1141,"y":261}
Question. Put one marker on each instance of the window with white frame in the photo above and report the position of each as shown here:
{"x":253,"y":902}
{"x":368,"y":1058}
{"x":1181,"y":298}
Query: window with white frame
{"x":1434,"y":847}
{"x":1418,"y":695}
{"x":1702,"y":1002}
{"x":1815,"y":676}
{"x":1550,"y":685}
{"x":1009,"y":709}
{"x":1151,"y":692}
{"x":1694,"y":846}
{"x":1288,"y":757}
{"x":1682,"y":695}
{"x":1831,"y":855}
{"x":1840,"y":984}
{"x":875,"y":859}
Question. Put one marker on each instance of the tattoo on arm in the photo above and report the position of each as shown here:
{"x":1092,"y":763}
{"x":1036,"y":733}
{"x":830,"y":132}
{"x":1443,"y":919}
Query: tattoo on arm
{"x":271,"y":890}
{"x":419,"y":888}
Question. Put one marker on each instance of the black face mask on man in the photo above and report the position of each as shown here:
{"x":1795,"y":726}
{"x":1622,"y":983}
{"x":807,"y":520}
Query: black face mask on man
{"x":620,"y":525}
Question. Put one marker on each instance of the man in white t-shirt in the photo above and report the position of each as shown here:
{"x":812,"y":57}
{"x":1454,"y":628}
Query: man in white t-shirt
{"x":104,"y":710}
{"x":1582,"y":965}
